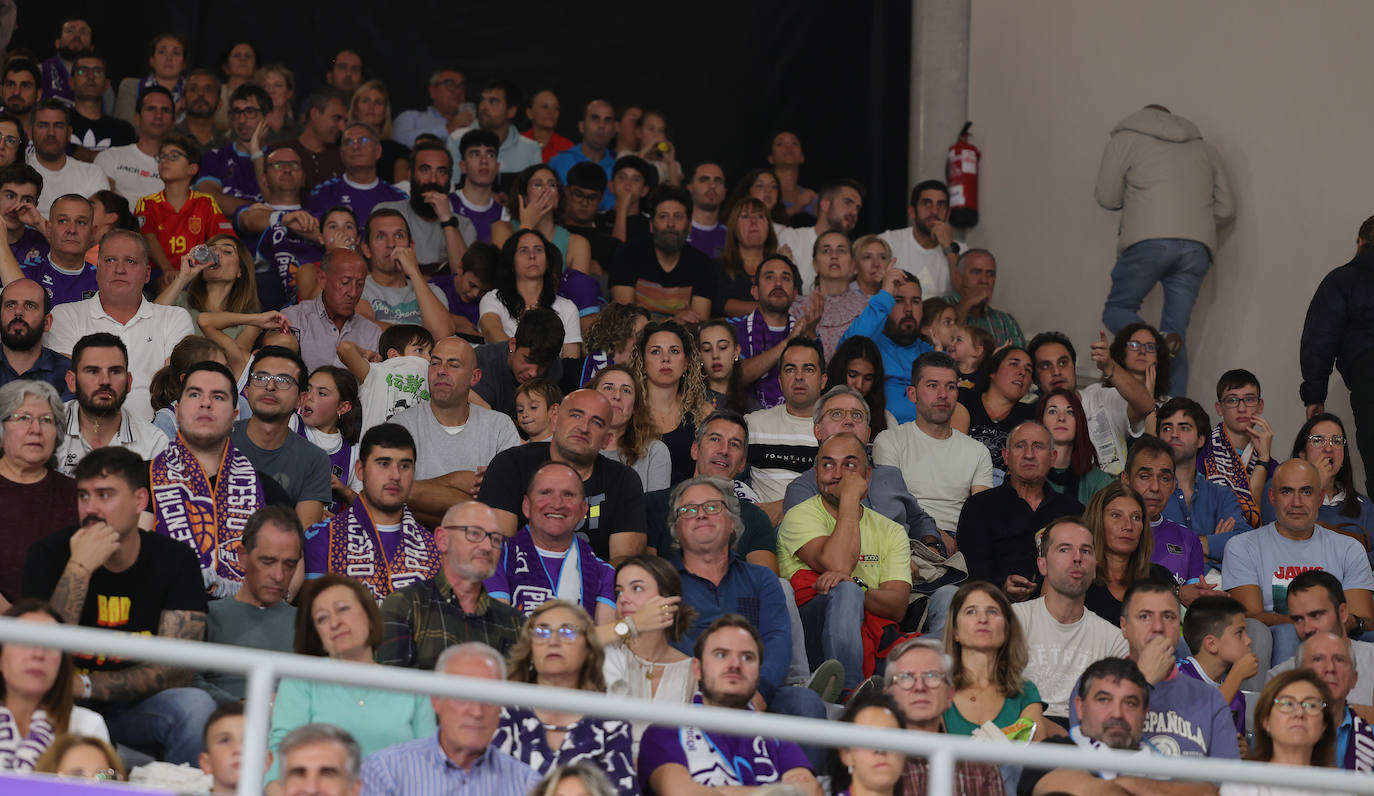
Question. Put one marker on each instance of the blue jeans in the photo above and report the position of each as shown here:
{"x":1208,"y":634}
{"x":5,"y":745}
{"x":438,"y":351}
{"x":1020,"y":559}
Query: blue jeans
{"x":1286,"y":642}
{"x":172,"y":721}
{"x":937,"y":609}
{"x":834,"y":629}
{"x":798,"y":700}
{"x":1179,"y":266}
{"x":800,"y":670}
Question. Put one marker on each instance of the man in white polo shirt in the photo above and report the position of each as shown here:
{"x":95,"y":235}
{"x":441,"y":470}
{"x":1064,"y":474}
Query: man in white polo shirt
{"x":149,"y":330}
{"x":96,"y":417}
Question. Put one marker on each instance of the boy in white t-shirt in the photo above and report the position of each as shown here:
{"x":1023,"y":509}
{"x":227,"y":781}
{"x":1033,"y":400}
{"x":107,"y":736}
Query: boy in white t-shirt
{"x":393,"y":378}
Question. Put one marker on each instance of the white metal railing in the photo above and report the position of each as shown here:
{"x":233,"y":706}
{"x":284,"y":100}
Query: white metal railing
{"x":263,"y":668}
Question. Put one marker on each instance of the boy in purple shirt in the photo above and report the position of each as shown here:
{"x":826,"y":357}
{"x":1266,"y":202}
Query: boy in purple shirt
{"x":479,"y":164}
{"x":464,"y":290}
{"x":1214,"y":628}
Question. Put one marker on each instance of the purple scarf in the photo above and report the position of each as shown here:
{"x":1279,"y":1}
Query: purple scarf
{"x":1359,"y":750}
{"x":529,"y":581}
{"x":356,"y":550}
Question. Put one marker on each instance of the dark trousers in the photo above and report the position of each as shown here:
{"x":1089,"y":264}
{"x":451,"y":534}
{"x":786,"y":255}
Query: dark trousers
{"x":1362,"y":407}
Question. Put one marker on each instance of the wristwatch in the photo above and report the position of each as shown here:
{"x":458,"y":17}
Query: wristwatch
{"x":1358,"y":629}
{"x":625,"y":629}
{"x":452,"y":222}
{"x":952,"y":248}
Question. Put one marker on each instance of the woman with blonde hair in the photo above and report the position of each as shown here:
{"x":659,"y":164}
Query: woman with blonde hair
{"x":633,"y":439}
{"x":371,"y":103}
{"x":988,"y":646}
{"x":559,"y":648}
{"x":574,"y":779}
{"x":668,"y":359}
{"x":280,"y":84}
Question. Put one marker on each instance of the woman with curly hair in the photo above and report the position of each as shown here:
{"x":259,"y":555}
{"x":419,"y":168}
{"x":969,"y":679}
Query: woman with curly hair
{"x":559,"y":648}
{"x":633,"y":439}
{"x":668,"y":360}
{"x":609,"y":340}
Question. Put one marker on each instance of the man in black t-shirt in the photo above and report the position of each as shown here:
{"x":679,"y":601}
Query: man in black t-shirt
{"x":615,"y":496}
{"x":531,"y":353}
{"x":632,"y":178}
{"x":93,"y":131}
{"x":586,"y":186}
{"x":663,"y":274}
{"x":107,"y":573}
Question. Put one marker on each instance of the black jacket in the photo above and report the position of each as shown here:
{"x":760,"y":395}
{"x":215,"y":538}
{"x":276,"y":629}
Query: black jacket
{"x":1339,"y":326}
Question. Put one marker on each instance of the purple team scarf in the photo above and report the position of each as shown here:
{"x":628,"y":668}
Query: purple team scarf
{"x":210,"y":520}
{"x":1221,"y":465}
{"x":755,"y":337}
{"x":529,"y":581}
{"x":20,"y":752}
{"x":1359,"y":752}
{"x":151,"y":80}
{"x":355,"y":550}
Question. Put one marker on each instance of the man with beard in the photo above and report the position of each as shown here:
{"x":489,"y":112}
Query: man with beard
{"x":837,"y":211}
{"x":322,"y":323}
{"x":725,"y":663}
{"x":73,"y":38}
{"x":64,"y":273}
{"x":377,"y":541}
{"x":423,"y":619}
{"x":318,"y":144}
{"x":61,"y":174}
{"x":200,"y":101}
{"x":25,"y":314}
{"x":96,"y":416}
{"x":358,"y":188}
{"x":849,"y":565}
{"x":763,"y":335}
{"x":707,"y":187}
{"x":463,"y":437}
{"x":927,"y":248}
{"x":345,"y":71}
{"x":597,"y":128}
{"x":892,"y":320}
{"x":227,"y":173}
{"x":440,"y":236}
{"x":20,"y":186}
{"x":662,"y":274}
{"x":1206,"y":507}
{"x":615,"y":496}
{"x":275,"y":380}
{"x":93,"y":130}
{"x":395,"y":291}
{"x":19,"y":90}
{"x":1064,"y":637}
{"x":132,"y":169}
{"x":496,"y":110}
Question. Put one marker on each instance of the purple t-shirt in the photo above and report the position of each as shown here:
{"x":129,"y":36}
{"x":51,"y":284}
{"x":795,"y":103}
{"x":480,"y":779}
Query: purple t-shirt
{"x":232,"y":168}
{"x":361,"y":198}
{"x":710,"y":241}
{"x":287,"y":252}
{"x":754,"y":338}
{"x":1177,"y":549}
{"x":481,"y":218}
{"x":31,"y":248}
{"x":63,"y":287}
{"x":54,"y":76}
{"x":526,"y":585}
{"x":456,"y":305}
{"x":582,"y":290}
{"x":1187,"y":718}
{"x":715,"y":759}
{"x":1192,"y":668}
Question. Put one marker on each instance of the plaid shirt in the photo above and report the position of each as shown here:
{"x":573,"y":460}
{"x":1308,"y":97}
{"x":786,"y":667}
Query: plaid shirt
{"x":970,"y":779}
{"x":1001,"y":325}
{"x":423,"y":619}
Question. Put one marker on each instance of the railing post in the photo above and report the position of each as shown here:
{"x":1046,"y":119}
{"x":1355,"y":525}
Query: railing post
{"x":257,"y":719}
{"x":941,"y":782}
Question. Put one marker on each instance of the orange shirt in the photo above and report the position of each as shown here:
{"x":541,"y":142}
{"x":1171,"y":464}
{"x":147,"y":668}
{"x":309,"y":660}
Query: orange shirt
{"x":179,"y":231}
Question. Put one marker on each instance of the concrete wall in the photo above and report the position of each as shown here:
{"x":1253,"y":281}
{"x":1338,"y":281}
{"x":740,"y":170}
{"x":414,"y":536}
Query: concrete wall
{"x":1275,"y":86}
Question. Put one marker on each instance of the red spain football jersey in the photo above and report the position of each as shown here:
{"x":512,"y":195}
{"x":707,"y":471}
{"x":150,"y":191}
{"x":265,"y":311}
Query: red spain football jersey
{"x":179,"y":231}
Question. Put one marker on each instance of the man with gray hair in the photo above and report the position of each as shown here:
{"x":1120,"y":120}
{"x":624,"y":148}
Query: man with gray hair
{"x":448,"y":110}
{"x":320,"y":760}
{"x":975,"y":276}
{"x":918,"y":677}
{"x":322,"y":323}
{"x":358,"y":187}
{"x":843,"y":409}
{"x":459,"y":758}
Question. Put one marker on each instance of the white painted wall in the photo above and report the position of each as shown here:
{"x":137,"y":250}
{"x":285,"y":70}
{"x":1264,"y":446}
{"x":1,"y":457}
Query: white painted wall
{"x":1279,"y":88}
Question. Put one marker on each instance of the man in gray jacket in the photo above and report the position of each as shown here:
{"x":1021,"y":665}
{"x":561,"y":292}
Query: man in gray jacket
{"x":1172,"y":191}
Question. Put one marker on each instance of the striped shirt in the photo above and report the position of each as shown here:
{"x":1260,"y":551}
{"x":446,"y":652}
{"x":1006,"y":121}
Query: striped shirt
{"x":420,"y":768}
{"x":423,"y":619}
{"x":782,"y":446}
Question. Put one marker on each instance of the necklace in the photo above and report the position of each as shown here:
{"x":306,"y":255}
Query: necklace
{"x":648,"y":665}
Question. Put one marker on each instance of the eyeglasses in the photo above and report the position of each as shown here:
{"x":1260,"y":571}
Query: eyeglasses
{"x":448,"y":83}
{"x":1136,"y":345}
{"x":565,"y":632}
{"x":285,"y":165}
{"x":476,"y":533}
{"x":1232,"y":401}
{"x":245,"y":112}
{"x":362,"y":140}
{"x":1289,"y":705}
{"x":25,"y":419}
{"x":170,"y":157}
{"x":907,"y":680}
{"x":93,"y":71}
{"x":584,"y":196}
{"x":857,"y":415}
{"x":1320,"y":440}
{"x":282,"y":381}
{"x":9,"y":141}
{"x":711,"y":508}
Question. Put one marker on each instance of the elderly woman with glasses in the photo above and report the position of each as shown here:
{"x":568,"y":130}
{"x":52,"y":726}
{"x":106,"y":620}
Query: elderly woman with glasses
{"x":558,"y":648}
{"x":33,"y":424}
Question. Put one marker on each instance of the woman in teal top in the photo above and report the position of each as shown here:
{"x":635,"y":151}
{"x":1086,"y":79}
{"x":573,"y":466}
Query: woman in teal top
{"x":337,"y":617}
{"x":989,"y":651}
{"x":535,"y":199}
{"x":1074,"y":466}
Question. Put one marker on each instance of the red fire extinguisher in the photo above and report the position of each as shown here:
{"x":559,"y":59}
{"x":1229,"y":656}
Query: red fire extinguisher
{"x":961,"y":172}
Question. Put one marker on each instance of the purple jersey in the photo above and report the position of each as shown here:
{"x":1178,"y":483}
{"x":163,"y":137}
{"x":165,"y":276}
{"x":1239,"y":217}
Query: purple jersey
{"x":287,"y":253}
{"x":55,"y":79}
{"x":456,"y":305}
{"x":710,"y":241}
{"x":232,"y":169}
{"x":717,"y":760}
{"x":1177,"y":549}
{"x":582,"y":290}
{"x":63,"y":286}
{"x":481,"y":218}
{"x":360,"y":198}
{"x":527,"y":577}
{"x":755,"y":337}
{"x":1192,"y":668}
{"x":31,"y":249}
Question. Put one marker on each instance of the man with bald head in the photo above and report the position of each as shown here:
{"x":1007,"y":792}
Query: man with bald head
{"x":614,"y":522}
{"x":456,"y":437}
{"x":322,"y":323}
{"x":597,"y":128}
{"x":1260,"y":564}
{"x":25,"y":314}
{"x":421,"y":620}
{"x":997,"y":526}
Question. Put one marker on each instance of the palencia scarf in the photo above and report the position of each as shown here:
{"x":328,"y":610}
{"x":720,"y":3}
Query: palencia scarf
{"x":20,"y":752}
{"x":1221,"y":465}
{"x":209,"y":519}
{"x":356,"y":549}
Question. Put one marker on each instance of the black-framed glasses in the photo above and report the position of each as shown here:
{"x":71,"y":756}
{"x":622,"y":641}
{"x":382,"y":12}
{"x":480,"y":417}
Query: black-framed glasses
{"x":1136,"y":345}
{"x":1289,"y":705}
{"x":282,"y":381}
{"x":1321,"y":440}
{"x":710,"y":508}
{"x":476,"y":533}
{"x":565,"y":632}
{"x":1232,"y":401}
{"x":907,"y":680}
{"x":244,"y":112}
{"x":9,"y":141}
{"x":170,"y":156}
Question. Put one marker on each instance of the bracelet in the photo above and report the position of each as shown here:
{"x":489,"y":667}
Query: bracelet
{"x":259,"y":155}
{"x":78,"y":565}
{"x":86,"y":688}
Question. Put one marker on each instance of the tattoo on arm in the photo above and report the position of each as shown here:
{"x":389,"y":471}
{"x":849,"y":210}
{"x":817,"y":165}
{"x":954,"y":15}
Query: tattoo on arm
{"x":146,"y":679}
{"x":69,"y":596}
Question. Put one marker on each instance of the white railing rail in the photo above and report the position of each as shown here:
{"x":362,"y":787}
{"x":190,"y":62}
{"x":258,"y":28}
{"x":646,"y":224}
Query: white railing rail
{"x":264,"y":668}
